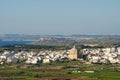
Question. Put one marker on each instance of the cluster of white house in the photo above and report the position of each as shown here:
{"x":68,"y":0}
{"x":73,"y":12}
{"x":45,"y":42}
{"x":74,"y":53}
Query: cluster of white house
{"x":105,"y":55}
{"x":32,"y":57}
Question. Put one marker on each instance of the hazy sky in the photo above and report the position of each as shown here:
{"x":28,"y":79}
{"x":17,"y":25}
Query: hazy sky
{"x":59,"y":17}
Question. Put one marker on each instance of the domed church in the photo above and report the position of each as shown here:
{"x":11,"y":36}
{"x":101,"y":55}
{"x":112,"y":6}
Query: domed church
{"x":73,"y":53}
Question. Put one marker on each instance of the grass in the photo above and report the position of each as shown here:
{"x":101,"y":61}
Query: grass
{"x":60,"y":70}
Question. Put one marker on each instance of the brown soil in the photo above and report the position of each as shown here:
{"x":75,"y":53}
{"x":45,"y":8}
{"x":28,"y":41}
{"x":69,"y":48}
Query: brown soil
{"x":65,"y":78}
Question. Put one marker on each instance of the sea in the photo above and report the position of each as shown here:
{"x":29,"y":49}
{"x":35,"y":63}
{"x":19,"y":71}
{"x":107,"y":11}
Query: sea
{"x":5,"y":43}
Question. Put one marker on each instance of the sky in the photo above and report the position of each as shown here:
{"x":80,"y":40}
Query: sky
{"x":42,"y":17}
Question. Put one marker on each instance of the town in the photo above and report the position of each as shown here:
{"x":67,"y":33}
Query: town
{"x":87,"y":55}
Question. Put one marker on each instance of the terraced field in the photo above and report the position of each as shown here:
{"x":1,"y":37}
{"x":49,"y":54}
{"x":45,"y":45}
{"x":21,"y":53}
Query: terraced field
{"x":69,"y":70}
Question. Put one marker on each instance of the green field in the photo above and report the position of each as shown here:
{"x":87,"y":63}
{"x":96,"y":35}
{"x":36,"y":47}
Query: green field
{"x":60,"y":71}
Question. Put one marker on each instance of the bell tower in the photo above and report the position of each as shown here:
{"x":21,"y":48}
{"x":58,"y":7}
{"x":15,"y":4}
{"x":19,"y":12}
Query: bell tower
{"x":73,"y":54}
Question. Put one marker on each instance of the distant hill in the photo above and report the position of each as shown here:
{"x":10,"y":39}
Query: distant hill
{"x":63,"y":39}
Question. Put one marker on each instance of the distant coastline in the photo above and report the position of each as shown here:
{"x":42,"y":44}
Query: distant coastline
{"x":5,"y":43}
